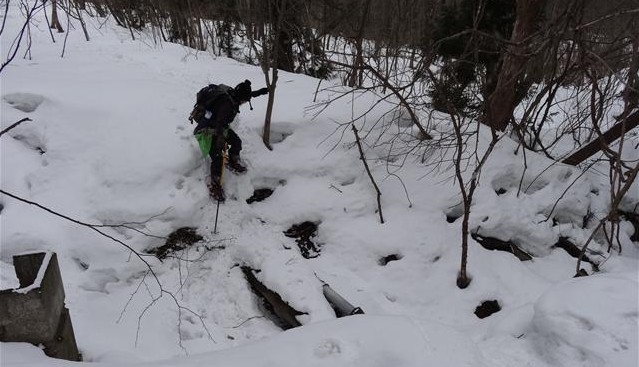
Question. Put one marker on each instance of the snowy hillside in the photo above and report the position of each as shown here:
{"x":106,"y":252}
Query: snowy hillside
{"x":110,"y":144}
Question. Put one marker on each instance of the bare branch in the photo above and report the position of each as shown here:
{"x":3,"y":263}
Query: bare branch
{"x":14,"y":125}
{"x":140,"y":256}
{"x":370,"y":175}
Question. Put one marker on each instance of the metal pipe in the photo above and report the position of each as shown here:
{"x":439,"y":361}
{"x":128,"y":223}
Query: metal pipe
{"x":341,"y":306}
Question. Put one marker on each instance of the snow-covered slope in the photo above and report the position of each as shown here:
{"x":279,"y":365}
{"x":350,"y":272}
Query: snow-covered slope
{"x":110,"y":143}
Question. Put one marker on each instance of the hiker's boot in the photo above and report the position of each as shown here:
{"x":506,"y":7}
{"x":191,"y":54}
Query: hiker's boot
{"x":235,"y":165}
{"x":215,"y":190}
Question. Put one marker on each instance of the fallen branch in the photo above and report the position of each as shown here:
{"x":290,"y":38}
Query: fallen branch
{"x":598,"y":144}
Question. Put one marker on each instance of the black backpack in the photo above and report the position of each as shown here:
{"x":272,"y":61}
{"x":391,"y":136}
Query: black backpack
{"x":205,"y":100}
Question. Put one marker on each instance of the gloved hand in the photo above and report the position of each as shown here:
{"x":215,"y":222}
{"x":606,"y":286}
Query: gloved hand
{"x":259,"y":92}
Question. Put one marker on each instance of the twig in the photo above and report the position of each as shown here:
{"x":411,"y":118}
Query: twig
{"x":131,"y":298}
{"x":15,"y":125}
{"x":396,"y":92}
{"x":552,"y":210}
{"x":13,"y":50}
{"x":363,"y":158}
{"x":317,"y":90}
{"x":247,"y":320}
{"x":334,"y":187}
{"x":613,"y":205}
{"x":66,"y":36}
{"x":92,"y":227}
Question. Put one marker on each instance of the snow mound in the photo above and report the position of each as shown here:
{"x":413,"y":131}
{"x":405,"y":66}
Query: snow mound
{"x":590,"y":321}
{"x":358,"y":341}
{"x":25,"y":102}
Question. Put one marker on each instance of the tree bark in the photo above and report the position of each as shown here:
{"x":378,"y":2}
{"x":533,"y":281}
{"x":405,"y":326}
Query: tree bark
{"x":501,"y":102}
{"x":284,"y":12}
{"x":631,"y":92}
{"x":271,"y":61}
{"x":356,"y":78}
{"x":614,"y":133}
{"x":266,"y":131}
{"x":55,"y":22}
{"x":285,"y":51}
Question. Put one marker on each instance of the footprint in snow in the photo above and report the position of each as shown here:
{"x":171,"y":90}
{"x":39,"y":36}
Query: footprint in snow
{"x":25,"y":102}
{"x":328,"y":348}
{"x":280,"y":131}
{"x":98,"y":280}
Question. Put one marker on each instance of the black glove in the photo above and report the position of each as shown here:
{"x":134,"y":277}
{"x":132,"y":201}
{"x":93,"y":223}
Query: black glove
{"x":259,"y":92}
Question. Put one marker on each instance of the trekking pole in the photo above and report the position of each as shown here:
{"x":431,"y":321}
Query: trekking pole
{"x":217,"y":211}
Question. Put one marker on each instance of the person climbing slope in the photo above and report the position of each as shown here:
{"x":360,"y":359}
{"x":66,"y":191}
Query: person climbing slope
{"x":215,"y":109}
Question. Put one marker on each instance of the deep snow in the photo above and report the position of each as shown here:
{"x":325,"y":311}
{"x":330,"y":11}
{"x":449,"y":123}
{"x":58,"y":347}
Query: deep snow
{"x":110,"y":144}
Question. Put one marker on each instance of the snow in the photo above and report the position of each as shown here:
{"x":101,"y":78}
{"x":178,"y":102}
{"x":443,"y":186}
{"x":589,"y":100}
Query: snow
{"x":109,"y":143}
{"x":359,"y":341}
{"x":605,"y":333}
{"x":37,"y":282}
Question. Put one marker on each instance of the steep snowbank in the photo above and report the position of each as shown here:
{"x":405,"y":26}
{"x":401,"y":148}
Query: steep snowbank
{"x":110,"y":144}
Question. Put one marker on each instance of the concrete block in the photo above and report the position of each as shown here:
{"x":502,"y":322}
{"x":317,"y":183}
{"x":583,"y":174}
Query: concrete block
{"x":35,"y":312}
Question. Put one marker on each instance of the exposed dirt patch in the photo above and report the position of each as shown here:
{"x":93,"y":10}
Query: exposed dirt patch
{"x":264,"y":188}
{"x":487,"y":308}
{"x":259,"y":195}
{"x":303,"y":232}
{"x":386,"y":259}
{"x":453,"y":213}
{"x":452,"y":218}
{"x":180,"y":239}
{"x":500,"y":191}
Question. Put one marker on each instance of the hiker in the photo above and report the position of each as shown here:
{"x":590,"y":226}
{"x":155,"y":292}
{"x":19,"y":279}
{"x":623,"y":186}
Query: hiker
{"x":216,"y":108}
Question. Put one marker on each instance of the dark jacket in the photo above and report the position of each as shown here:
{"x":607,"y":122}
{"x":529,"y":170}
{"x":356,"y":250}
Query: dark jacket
{"x":223,"y":111}
{"x":221,"y":104}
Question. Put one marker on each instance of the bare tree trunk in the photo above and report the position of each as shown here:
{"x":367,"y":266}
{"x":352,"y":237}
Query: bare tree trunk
{"x":266,"y":132}
{"x":463,"y":280}
{"x":80,"y":7}
{"x":631,"y":91}
{"x":501,"y":102}
{"x":356,"y":77}
{"x":55,"y":22}
{"x":265,"y":32}
{"x":284,"y":51}
{"x":200,"y":33}
{"x":100,"y":10}
{"x":283,"y":28}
